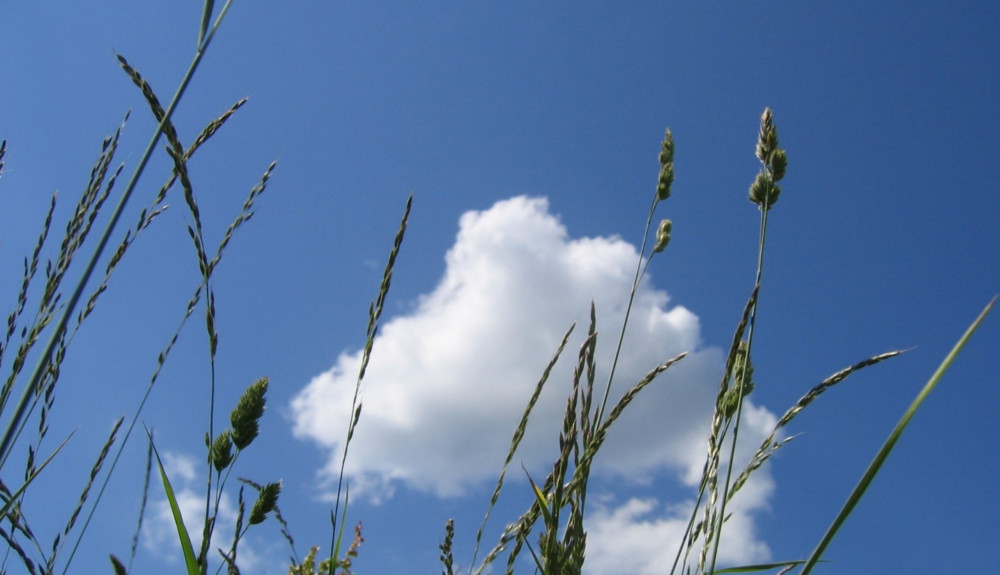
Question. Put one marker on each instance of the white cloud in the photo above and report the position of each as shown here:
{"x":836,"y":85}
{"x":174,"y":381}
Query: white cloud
{"x":449,"y":380}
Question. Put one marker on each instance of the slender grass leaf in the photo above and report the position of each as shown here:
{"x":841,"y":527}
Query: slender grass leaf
{"x":541,"y":499}
{"x":759,"y":567}
{"x":119,"y":567}
{"x":190,"y":561}
{"x":890,"y":442}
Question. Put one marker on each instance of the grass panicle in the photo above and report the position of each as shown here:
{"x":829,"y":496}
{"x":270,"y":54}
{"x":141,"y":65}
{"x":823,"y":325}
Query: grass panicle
{"x":772,"y":443}
{"x":447,"y":558}
{"x":374,"y":315}
{"x":245,"y":418}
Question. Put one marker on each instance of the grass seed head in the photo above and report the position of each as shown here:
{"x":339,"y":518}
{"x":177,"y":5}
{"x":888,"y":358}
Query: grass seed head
{"x":663,"y":235}
{"x":267,"y":500}
{"x":245,"y":418}
{"x":666,"y":167}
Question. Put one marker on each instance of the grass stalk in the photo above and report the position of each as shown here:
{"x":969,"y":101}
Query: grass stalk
{"x":741,"y":390}
{"x":374,"y":315}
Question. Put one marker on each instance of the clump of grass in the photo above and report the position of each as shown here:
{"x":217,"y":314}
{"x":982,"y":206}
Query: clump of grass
{"x":556,"y":513}
{"x":561,"y":543}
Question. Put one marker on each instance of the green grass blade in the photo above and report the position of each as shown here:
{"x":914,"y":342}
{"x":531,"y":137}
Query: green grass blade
{"x":190,"y":562}
{"x":883,"y":453}
{"x":206,"y":17}
{"x":759,"y":567}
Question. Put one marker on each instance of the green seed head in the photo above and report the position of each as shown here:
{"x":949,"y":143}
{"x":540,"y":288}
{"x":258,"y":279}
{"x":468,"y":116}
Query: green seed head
{"x":245,"y":418}
{"x":222,"y":451}
{"x":267,"y":500}
{"x":667,"y":149}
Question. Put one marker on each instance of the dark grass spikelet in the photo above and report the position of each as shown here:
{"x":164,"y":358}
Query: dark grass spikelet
{"x":244,"y":216}
{"x":245,"y":418}
{"x":446,"y":557}
{"x":154,"y":103}
{"x":117,"y":566}
{"x":93,"y":475}
{"x":266,"y":501}
{"x":515,"y":442}
{"x":666,"y":177}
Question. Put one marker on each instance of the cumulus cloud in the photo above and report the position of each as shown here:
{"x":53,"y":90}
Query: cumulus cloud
{"x":449,"y":379}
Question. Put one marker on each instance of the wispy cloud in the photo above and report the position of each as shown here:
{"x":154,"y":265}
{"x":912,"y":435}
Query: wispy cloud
{"x":450,"y":379}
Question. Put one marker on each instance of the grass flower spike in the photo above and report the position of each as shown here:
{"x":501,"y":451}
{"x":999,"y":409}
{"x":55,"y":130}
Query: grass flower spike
{"x":666,"y":167}
{"x":765,"y":191}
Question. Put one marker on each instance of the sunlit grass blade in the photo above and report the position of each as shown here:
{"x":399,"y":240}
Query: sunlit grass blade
{"x":190,"y":561}
{"x":890,"y":442}
{"x":542,"y":501}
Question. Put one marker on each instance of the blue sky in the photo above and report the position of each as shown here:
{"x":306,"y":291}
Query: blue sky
{"x":528,"y":135}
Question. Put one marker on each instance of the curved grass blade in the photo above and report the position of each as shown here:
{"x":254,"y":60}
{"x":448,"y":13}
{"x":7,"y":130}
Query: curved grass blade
{"x":890,"y":442}
{"x":190,"y":561}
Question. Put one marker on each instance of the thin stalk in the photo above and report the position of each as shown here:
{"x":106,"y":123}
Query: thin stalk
{"x":743,"y":376}
{"x":639,"y":271}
